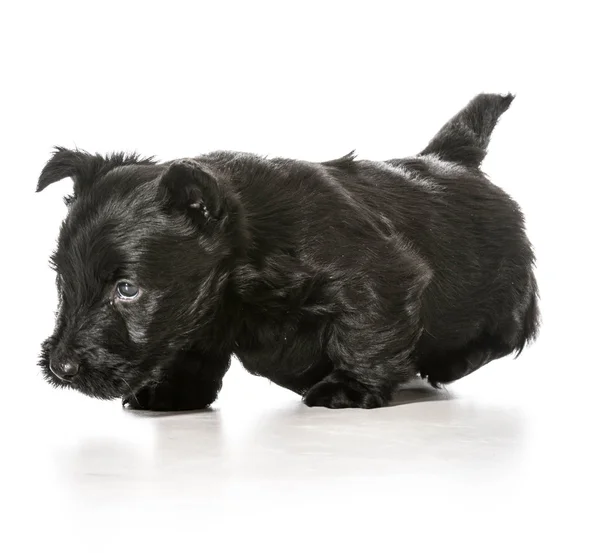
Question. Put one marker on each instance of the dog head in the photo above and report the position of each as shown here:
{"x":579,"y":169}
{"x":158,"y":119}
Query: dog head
{"x":140,"y":262}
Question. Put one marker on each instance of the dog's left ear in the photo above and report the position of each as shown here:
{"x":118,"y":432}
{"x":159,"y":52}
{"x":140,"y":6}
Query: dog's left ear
{"x":194,"y":190}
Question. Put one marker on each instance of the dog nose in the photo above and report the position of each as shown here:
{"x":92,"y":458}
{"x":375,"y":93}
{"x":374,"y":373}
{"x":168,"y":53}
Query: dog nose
{"x":65,"y":370}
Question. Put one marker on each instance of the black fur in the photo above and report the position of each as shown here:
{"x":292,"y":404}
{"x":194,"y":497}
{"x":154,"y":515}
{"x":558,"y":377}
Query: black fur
{"x":338,"y":280}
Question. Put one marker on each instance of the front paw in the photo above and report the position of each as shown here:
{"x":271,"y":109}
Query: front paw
{"x":142,"y":400}
{"x":166,"y":397}
{"x":340,"y":393}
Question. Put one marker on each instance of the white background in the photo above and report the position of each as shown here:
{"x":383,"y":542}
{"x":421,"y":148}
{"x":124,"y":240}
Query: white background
{"x":504,"y":460}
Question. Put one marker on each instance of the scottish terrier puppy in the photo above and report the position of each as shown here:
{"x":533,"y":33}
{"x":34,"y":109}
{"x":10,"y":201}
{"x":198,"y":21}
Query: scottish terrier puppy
{"x":339,"y":280}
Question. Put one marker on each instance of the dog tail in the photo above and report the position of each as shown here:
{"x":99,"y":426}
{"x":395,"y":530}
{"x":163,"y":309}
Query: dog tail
{"x":465,"y":138}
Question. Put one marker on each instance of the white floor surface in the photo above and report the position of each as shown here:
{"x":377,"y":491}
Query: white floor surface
{"x":503,"y":460}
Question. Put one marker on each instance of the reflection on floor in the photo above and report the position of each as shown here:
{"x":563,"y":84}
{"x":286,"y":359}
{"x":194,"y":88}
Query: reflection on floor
{"x":474,"y":465}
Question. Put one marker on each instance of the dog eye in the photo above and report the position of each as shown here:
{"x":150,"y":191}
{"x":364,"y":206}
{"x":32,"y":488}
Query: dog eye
{"x":127,"y":290}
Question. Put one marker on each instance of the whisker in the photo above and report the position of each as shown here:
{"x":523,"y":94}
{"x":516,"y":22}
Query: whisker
{"x":132,"y":392}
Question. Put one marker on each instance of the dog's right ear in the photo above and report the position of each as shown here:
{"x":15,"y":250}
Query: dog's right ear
{"x":76,"y":164}
{"x":84,"y":168}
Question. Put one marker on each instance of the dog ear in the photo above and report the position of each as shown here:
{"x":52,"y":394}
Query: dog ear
{"x":193,"y":189}
{"x":64,"y":163}
{"x":83,"y":167}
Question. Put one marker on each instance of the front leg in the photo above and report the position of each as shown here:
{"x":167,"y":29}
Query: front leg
{"x":192,"y":382}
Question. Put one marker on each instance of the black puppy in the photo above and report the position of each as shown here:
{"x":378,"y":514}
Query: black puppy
{"x":338,"y":280}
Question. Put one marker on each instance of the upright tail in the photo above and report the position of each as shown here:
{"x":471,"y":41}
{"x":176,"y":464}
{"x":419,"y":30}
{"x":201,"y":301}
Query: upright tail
{"x":465,"y":138}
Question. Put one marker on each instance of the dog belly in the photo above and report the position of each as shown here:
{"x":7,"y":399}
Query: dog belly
{"x":292,"y":367}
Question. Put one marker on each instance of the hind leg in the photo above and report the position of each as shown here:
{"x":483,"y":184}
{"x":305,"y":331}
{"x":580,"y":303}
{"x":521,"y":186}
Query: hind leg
{"x":368,"y":363}
{"x":450,"y":366}
{"x":508,"y":337}
{"x":372,"y":342}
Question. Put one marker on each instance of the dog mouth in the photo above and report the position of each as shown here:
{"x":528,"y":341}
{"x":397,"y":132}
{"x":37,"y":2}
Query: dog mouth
{"x":93,"y":376}
{"x":108,"y":388}
{"x":102,"y":374}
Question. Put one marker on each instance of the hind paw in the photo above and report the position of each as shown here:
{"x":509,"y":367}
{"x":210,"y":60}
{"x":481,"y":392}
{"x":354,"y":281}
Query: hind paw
{"x":335,"y":392}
